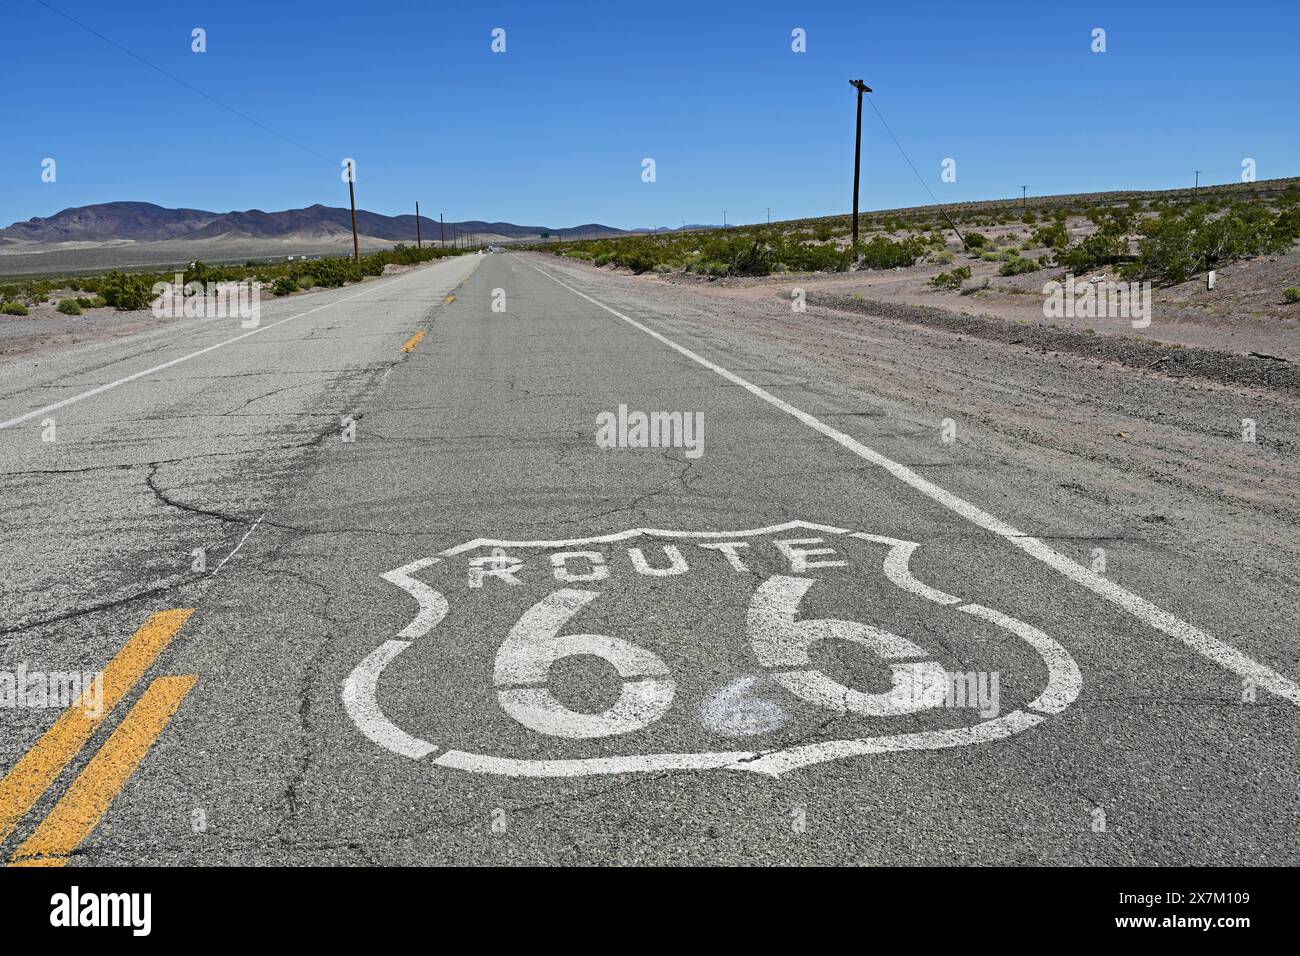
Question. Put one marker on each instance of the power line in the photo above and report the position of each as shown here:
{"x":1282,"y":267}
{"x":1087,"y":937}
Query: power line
{"x":919,"y":179}
{"x":177,"y":79}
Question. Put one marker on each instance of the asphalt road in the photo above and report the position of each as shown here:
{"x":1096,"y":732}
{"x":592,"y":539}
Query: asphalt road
{"x":438,"y":620}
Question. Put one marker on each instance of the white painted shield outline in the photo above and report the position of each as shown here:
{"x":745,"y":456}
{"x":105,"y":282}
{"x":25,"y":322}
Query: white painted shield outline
{"x":359,"y":689}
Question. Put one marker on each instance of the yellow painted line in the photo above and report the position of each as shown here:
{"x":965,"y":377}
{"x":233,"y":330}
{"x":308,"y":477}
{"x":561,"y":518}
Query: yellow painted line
{"x":79,"y":810}
{"x":33,"y":774}
{"x":449,"y":300}
{"x":413,"y":341}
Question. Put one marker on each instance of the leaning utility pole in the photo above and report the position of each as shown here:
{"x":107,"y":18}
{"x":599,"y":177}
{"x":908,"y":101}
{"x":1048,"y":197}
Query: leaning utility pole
{"x":352,"y":200}
{"x":857,"y":154}
{"x":417,"y":225}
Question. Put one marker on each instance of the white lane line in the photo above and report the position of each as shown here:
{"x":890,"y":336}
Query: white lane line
{"x":100,"y":389}
{"x":1216,"y":650}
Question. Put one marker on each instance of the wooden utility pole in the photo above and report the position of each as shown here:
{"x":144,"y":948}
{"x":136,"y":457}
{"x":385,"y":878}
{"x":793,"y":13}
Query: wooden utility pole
{"x":442,"y":235}
{"x":417,"y":225}
{"x":857,"y":154}
{"x":1024,"y":197}
{"x":352,"y":200}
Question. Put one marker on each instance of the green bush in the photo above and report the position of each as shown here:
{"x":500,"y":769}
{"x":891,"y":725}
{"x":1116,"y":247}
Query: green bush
{"x":69,"y":307}
{"x":13,"y":308}
{"x":1181,"y":243}
{"x":1291,"y":295}
{"x":1108,"y":245}
{"x":882,"y":253}
{"x":1018,"y":266}
{"x":126,"y":292}
{"x":976,"y":240}
{"x":951,"y":281}
{"x":92,"y":302}
{"x":284,"y":285}
{"x":1054,"y":236}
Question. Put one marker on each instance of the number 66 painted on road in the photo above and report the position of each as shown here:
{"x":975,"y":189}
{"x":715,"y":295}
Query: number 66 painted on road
{"x":780,"y":643}
{"x":535,"y":643}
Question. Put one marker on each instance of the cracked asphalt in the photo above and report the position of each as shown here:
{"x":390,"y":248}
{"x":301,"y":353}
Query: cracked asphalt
{"x":371,"y":614}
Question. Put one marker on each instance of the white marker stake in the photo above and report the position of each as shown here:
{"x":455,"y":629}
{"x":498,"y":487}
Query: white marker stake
{"x":1216,"y":650}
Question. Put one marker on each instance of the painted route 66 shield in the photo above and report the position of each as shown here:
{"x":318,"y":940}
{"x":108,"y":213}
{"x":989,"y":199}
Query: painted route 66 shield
{"x":761,"y":650}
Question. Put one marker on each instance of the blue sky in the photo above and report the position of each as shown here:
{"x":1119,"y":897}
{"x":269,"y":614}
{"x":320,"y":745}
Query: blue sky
{"x":553,"y":131}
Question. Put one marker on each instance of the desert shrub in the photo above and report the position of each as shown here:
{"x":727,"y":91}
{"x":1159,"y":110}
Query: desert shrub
{"x":92,"y":302}
{"x":13,"y":308}
{"x":1181,"y":243}
{"x":125,"y":291}
{"x":284,"y":285}
{"x":638,"y":260}
{"x":1286,"y":228}
{"x":1291,"y":295}
{"x":802,"y":257}
{"x":976,"y":240}
{"x":1106,"y":246}
{"x":1018,"y":266}
{"x":951,"y":281}
{"x":943,"y":256}
{"x":69,"y":307}
{"x":882,"y":253}
{"x":1054,"y":236}
{"x":332,"y":273}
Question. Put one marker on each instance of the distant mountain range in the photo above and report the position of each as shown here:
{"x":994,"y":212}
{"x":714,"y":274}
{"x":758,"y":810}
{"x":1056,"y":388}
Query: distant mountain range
{"x":146,"y":222}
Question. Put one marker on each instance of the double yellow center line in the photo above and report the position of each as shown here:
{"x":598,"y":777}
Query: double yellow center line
{"x":86,"y":801}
